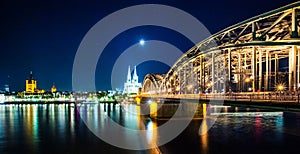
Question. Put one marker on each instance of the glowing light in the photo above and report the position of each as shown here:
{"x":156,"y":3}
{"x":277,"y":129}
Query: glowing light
{"x":142,"y":42}
{"x":204,"y":110}
{"x":208,"y":85}
{"x":153,"y":110}
{"x":177,"y":88}
{"x":247,"y":80}
{"x":280,"y":87}
{"x":190,"y":87}
{"x":138,"y":100}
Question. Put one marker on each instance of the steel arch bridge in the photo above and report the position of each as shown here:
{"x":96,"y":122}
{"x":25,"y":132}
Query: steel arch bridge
{"x":260,"y":54}
{"x":152,"y":82}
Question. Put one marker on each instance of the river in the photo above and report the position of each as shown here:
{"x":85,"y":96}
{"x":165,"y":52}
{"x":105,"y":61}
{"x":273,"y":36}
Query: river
{"x":60,"y":128}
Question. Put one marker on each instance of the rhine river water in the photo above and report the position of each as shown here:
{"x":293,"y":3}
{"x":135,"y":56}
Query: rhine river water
{"x":58,"y":128}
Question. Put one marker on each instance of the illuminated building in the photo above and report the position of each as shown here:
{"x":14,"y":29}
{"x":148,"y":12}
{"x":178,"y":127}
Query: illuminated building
{"x":132,"y":85}
{"x":2,"y":98}
{"x":6,"y":88}
{"x":53,"y":89}
{"x":31,"y":84}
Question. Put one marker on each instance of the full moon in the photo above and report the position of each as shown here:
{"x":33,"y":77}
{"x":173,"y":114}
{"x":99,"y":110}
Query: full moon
{"x":142,"y":42}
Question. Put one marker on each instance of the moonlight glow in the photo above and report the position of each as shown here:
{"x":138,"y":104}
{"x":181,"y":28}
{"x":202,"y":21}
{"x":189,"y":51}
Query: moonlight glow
{"x":142,"y":42}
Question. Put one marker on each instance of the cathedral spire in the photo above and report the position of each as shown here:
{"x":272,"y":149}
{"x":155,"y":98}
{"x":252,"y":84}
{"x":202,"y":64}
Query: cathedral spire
{"x":128,"y":75}
{"x":131,"y":85}
{"x":135,"y":77}
{"x":30,"y":76}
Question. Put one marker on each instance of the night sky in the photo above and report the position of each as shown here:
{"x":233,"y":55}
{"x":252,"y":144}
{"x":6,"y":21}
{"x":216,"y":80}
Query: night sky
{"x":43,"y":35}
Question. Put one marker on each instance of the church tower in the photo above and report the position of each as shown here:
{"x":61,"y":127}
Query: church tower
{"x":129,"y":75}
{"x":31,"y":84}
{"x":135,"y":78}
{"x":53,"y":89}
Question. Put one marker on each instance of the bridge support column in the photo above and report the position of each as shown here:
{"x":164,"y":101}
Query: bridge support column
{"x":229,"y":70}
{"x":203,"y":80}
{"x":276,"y":68}
{"x":254,"y":63}
{"x":239,"y":73}
{"x":245,"y":87}
{"x":213,"y":72}
{"x":217,"y":85}
{"x":185,"y":80}
{"x":292,"y":68}
{"x":260,"y":71}
{"x":200,"y":75}
{"x":270,"y":72}
{"x":267,"y":72}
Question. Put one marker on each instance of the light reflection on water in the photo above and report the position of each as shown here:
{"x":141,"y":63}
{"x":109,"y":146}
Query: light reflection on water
{"x":39,"y":128}
{"x":126,"y":115}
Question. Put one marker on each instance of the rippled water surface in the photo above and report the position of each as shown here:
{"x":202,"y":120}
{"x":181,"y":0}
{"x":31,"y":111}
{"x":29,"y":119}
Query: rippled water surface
{"x":59,"y":128}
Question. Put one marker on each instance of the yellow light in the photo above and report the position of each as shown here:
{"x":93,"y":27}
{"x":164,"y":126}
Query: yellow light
{"x":177,"y":88}
{"x":190,"y":87}
{"x":204,"y":110}
{"x":153,"y":109}
{"x":247,"y":80}
{"x":53,"y":89}
{"x":208,"y":85}
{"x":138,"y":100}
{"x":280,"y":87}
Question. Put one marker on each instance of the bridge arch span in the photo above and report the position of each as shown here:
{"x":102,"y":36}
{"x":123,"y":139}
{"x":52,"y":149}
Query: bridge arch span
{"x":255,"y":55}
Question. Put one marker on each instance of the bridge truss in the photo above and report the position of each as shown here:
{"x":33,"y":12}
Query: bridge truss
{"x":261,"y":54}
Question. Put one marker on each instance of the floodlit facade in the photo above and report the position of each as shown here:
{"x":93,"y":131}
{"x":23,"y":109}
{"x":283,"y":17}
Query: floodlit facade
{"x":131,"y":86}
{"x":53,"y":89}
{"x":31,"y":86}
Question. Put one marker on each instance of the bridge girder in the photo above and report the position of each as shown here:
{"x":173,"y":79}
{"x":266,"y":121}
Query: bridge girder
{"x":242,"y":56}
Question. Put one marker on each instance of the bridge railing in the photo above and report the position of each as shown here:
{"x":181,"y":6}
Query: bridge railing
{"x":293,"y":97}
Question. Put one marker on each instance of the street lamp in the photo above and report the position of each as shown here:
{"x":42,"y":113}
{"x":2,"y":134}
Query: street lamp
{"x":280,"y":87}
{"x":247,"y":80}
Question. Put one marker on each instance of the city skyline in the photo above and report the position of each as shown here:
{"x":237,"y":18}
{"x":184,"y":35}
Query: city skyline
{"x":169,"y":77}
{"x":43,"y":37}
